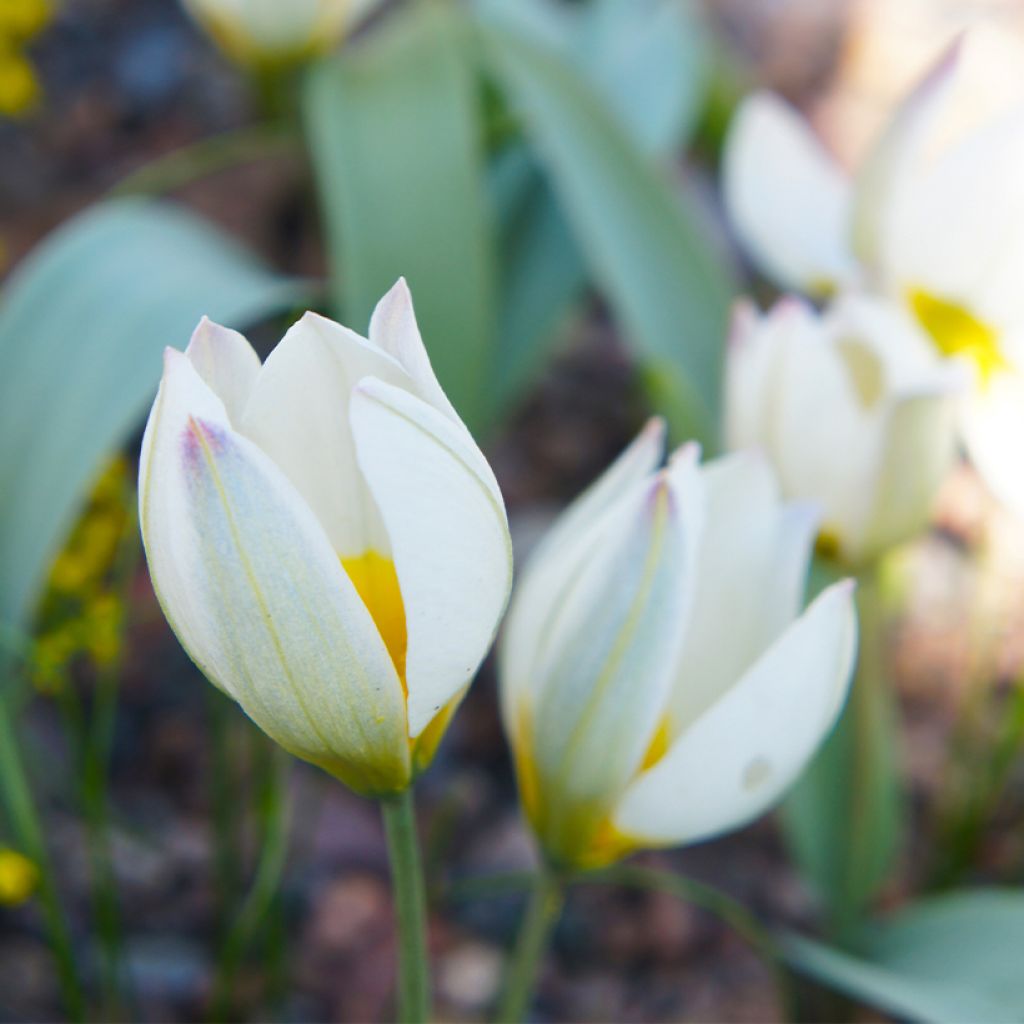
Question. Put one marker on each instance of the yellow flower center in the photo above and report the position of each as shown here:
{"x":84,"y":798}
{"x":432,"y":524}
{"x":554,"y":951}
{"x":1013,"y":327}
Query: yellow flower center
{"x":955,"y":331}
{"x":374,"y":577}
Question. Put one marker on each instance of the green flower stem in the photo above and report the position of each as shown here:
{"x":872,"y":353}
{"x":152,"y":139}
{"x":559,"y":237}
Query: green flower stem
{"x":410,"y":908}
{"x":206,"y":157}
{"x":25,"y":823}
{"x":714,"y":901}
{"x":273,"y":814}
{"x":542,"y":913}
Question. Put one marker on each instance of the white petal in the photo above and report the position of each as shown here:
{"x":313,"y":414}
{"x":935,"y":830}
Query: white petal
{"x":299,"y":415}
{"x":891,"y":173}
{"x":255,"y":592}
{"x":993,"y":426}
{"x":786,"y":197}
{"x":751,"y":574}
{"x":743,"y":754}
{"x":959,"y":233}
{"x":393,"y":329}
{"x":552,"y":564}
{"x":824,"y":444}
{"x":446,"y":520}
{"x":227,"y":362}
{"x":607,"y":658}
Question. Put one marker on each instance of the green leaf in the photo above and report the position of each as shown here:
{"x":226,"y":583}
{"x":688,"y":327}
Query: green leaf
{"x":83,"y":323}
{"x":647,"y":57}
{"x":949,"y":1000}
{"x":395,"y":134}
{"x":973,"y":938}
{"x":657,"y":268}
{"x":844,"y":818}
{"x":542,"y":273}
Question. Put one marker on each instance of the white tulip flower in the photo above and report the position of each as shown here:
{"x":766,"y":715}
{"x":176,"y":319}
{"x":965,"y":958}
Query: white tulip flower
{"x":940,"y":233}
{"x":854,"y":410}
{"x":278,"y":31}
{"x":325,"y":538}
{"x":659,"y":682}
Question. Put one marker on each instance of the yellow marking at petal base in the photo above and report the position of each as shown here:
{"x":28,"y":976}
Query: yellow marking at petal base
{"x":865,"y":370}
{"x":376,"y":582}
{"x":425,"y":745}
{"x":828,"y":545}
{"x":18,"y":878}
{"x":526,"y":766}
{"x":658,"y":746}
{"x":607,"y":845}
{"x":957,"y":332}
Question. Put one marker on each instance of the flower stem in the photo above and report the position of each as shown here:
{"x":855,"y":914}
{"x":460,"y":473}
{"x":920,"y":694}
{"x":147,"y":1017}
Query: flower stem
{"x":542,"y":913}
{"x":25,"y":824}
{"x":410,"y":908}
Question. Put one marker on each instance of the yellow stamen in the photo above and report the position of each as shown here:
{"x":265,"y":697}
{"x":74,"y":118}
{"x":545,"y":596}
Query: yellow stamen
{"x":376,"y":582}
{"x":957,"y":332}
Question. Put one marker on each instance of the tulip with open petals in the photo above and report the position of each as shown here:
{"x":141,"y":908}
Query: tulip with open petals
{"x":855,"y":411}
{"x":277,"y":31}
{"x":940,"y":234}
{"x":659,"y":682}
{"x":325,"y":538}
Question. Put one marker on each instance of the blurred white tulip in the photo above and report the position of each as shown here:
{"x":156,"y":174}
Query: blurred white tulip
{"x":941,"y":233}
{"x":659,"y":682}
{"x":278,"y":31}
{"x":855,"y":411}
{"x":325,"y":538}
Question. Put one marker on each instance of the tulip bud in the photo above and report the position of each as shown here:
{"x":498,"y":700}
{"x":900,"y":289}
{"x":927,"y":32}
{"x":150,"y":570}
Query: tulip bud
{"x":854,"y":411}
{"x":659,"y":684}
{"x":261,"y":32}
{"x":325,"y":538}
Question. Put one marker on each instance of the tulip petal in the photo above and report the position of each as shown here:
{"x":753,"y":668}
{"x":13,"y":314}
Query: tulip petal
{"x":747,"y":749}
{"x":298,"y":415}
{"x":227,"y":363}
{"x":539,"y":588}
{"x":394,"y":330}
{"x":787,"y":199}
{"x":751,"y":574}
{"x":891,"y":174}
{"x":606,"y":659}
{"x":446,"y":521}
{"x":993,"y":425}
{"x":257,"y":595}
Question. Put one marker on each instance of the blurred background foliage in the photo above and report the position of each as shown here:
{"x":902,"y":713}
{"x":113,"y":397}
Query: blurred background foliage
{"x":542,"y":174}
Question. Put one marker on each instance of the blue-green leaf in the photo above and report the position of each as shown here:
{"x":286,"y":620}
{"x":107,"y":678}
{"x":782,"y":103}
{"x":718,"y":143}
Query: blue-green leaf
{"x":83,"y":322}
{"x":664,"y":279}
{"x":395,"y":133}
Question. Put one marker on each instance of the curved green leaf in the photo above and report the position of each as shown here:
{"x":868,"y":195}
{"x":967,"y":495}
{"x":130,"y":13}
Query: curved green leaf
{"x":83,"y":322}
{"x":395,"y":135}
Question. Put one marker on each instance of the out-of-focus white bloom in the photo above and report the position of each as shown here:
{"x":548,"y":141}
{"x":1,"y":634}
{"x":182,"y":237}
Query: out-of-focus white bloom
{"x":659,"y":683}
{"x":325,"y":538}
{"x":278,"y":31}
{"x":855,"y":411}
{"x":940,"y":233}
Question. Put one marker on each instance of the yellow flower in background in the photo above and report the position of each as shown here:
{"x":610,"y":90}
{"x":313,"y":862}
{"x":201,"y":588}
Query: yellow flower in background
{"x":325,"y":538}
{"x":19,"y":86}
{"x":275,"y":32}
{"x":18,"y":877}
{"x":20,"y":21}
{"x":659,"y":682}
{"x":82,"y":611}
{"x":940,"y":233}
